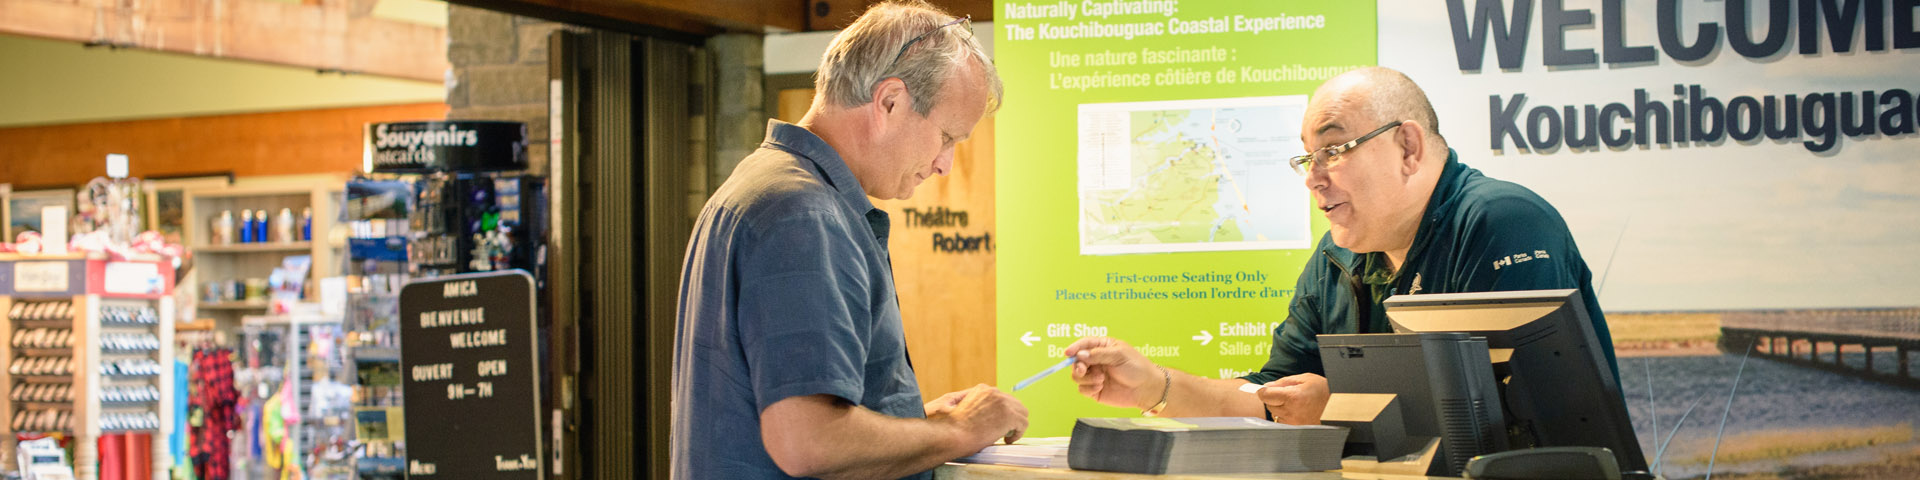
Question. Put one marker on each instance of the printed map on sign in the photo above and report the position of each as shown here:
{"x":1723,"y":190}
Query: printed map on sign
{"x":1191,"y":176}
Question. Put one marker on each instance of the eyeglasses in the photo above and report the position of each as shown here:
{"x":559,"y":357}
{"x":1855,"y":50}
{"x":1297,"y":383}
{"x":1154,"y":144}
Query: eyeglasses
{"x":965,"y":21}
{"x":1326,"y":157}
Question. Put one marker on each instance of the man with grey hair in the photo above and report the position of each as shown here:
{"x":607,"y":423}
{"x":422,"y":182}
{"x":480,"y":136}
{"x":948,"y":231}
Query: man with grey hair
{"x":790,"y":357}
{"x":1407,"y":217}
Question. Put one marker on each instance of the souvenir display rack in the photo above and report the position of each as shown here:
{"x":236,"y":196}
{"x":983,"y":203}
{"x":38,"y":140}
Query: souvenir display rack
{"x":89,"y":350}
{"x":379,"y":219}
{"x":302,"y":349}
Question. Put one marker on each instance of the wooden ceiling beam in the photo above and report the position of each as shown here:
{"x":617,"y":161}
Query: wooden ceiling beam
{"x":699,"y":18}
{"x":325,"y":35}
{"x":708,"y":17}
{"x":836,"y":14}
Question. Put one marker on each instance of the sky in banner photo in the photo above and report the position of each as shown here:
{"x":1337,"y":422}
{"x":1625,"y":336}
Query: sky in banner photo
{"x":1812,"y":206}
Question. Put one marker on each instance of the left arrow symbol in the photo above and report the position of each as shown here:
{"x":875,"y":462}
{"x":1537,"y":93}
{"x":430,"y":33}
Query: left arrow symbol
{"x":1028,"y":338}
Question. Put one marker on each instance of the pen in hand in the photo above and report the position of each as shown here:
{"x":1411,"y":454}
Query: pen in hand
{"x":1044,"y":373}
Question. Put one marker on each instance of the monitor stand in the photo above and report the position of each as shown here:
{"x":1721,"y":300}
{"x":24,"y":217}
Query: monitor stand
{"x":1418,"y":463}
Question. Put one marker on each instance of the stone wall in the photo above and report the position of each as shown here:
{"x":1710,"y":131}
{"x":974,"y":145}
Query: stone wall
{"x":740,"y":116}
{"x":500,"y":72}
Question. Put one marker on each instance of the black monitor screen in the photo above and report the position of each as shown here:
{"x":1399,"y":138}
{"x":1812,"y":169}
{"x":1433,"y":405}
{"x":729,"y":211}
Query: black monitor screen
{"x":1558,"y":388}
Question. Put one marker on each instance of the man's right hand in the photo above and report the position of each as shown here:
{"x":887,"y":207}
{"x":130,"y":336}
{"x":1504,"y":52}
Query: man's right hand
{"x":1296,"y":400}
{"x":986,"y":414}
{"x":1113,"y":373}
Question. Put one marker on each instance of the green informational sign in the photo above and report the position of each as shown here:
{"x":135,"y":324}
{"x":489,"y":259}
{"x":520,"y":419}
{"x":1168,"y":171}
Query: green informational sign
{"x":1143,"y":187}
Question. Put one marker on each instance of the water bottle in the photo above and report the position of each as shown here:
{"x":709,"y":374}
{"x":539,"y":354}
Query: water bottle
{"x":246,"y":226}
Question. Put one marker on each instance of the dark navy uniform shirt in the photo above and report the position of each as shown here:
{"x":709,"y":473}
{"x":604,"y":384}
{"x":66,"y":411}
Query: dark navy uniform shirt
{"x":787,"y":291}
{"x":1478,"y":235}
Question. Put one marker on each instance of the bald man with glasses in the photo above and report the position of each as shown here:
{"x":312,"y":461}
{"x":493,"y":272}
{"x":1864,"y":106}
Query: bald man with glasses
{"x":1407,"y":217}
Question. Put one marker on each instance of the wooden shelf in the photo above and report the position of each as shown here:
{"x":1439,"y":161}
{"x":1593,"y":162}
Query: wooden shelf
{"x":40,"y":257}
{"x":201,"y":325}
{"x":137,"y":257}
{"x":44,"y":351}
{"x":323,"y":195}
{"x":43,"y":323}
{"x":287,"y":190}
{"x":255,"y":247}
{"x":234,"y":306}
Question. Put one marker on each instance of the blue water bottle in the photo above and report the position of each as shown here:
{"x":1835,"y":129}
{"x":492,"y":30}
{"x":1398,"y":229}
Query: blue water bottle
{"x":246,"y":226}
{"x":260,"y":225}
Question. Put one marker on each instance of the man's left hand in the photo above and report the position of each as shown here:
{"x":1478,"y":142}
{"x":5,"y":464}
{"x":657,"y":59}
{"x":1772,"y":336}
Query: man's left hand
{"x":1296,"y":400}
{"x":940,"y":406}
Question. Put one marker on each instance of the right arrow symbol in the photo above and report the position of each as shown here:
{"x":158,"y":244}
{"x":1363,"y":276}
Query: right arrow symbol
{"x":1028,"y":338}
{"x":1204,"y":337}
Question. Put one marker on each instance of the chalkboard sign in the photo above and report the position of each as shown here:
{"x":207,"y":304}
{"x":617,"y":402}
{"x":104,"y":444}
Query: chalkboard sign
{"x":467,"y":366}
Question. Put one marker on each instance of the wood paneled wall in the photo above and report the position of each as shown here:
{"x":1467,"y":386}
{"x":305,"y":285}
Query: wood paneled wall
{"x":278,"y":143}
{"x":946,"y":296}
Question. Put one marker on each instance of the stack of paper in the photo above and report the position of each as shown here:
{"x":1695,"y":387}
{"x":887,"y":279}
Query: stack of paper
{"x":1045,"y":452}
{"x":1203,"y":445}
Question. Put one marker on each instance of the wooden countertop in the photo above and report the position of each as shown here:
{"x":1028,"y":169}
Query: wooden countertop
{"x":958,"y":471}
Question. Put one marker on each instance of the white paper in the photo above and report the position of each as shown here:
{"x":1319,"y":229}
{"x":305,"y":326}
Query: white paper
{"x":53,"y":230}
{"x":333,"y":296}
{"x":134,"y":278}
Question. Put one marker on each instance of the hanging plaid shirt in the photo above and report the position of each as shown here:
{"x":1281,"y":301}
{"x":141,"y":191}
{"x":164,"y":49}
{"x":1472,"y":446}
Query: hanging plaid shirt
{"x":212,"y":404}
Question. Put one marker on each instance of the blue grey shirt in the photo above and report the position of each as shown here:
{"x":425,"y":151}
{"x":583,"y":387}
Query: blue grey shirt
{"x":787,"y":291}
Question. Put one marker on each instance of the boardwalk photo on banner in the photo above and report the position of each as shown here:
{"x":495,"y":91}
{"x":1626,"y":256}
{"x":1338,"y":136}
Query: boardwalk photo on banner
{"x":1826,"y":393}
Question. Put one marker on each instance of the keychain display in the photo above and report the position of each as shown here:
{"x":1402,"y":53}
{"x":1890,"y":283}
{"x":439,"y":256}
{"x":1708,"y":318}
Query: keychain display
{"x":56,"y":366}
{"x":130,"y":367}
{"x":43,"y":338}
{"x":42,"y":420}
{"x":129,"y":315}
{"x":42,"y":392}
{"x":129,"y":342}
{"x":44,"y":310}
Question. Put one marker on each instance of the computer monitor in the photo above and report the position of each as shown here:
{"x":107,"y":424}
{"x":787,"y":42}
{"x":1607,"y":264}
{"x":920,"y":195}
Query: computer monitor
{"x":1556,"y":385}
{"x":1444,"y":386}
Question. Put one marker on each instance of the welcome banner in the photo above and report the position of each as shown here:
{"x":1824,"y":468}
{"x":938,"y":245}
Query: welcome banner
{"x":1741,"y":176}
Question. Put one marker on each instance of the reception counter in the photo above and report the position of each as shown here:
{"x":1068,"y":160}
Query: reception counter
{"x":958,"y":471}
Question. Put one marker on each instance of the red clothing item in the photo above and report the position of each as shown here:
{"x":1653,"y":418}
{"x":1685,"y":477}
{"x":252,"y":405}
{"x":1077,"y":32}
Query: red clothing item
{"x":213,"y":398}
